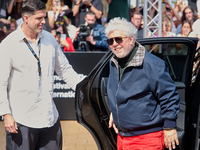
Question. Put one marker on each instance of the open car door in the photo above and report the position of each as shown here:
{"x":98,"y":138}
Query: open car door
{"x":92,"y":107}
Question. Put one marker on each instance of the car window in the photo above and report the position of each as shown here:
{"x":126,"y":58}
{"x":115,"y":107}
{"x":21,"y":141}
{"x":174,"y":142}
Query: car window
{"x":175,"y":55}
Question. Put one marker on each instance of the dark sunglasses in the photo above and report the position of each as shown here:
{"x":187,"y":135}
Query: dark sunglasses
{"x":119,"y":40}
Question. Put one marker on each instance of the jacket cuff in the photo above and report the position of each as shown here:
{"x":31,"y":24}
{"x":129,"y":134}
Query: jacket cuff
{"x":169,"y":123}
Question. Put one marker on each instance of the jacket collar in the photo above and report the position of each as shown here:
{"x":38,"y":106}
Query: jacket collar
{"x":137,"y":59}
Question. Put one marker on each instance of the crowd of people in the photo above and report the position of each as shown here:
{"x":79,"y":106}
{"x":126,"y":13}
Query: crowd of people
{"x":74,"y":17}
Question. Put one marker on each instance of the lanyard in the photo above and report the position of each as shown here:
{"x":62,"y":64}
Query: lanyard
{"x":34,"y":54}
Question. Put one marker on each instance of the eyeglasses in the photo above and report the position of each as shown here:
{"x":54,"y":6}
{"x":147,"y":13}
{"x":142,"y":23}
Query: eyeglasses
{"x":119,"y":40}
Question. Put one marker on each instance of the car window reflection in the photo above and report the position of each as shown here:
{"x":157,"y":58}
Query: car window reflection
{"x":175,"y":54}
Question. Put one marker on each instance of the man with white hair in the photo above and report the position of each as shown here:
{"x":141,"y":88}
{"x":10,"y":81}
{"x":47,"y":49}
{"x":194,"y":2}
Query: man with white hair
{"x":143,"y":98}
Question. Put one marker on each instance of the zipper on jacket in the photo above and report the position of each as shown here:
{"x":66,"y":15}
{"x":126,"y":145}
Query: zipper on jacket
{"x":119,"y":78}
{"x":117,"y":108}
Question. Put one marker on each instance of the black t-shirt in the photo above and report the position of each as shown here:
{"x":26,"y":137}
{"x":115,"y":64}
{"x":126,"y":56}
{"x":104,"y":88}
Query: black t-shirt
{"x":83,"y":9}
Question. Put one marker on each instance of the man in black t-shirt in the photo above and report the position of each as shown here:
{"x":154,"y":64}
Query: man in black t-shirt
{"x":81,"y":7}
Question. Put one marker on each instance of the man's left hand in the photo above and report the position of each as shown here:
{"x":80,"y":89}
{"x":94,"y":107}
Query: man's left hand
{"x":170,"y":138}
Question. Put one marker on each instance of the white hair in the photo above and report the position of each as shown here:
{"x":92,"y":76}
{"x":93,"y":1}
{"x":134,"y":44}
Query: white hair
{"x":122,"y":24}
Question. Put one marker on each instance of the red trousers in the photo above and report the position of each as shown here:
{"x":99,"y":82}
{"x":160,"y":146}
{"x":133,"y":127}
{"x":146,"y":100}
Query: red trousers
{"x":150,"y":141}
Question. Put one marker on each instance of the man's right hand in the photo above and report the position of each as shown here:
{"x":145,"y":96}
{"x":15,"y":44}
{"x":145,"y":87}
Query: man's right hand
{"x":111,"y":124}
{"x":10,"y":123}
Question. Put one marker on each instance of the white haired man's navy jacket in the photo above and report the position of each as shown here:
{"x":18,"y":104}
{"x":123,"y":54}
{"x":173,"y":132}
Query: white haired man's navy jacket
{"x":145,"y":99}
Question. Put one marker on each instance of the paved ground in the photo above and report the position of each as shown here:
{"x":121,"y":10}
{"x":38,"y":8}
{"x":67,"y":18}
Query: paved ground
{"x":75,"y":137}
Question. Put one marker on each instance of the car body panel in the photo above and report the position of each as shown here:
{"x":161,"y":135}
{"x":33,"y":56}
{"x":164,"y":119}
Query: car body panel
{"x":92,"y":108}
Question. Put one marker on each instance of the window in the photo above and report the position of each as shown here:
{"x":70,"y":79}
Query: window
{"x":175,"y":54}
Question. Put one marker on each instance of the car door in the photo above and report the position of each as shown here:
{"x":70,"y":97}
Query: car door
{"x":92,"y":107}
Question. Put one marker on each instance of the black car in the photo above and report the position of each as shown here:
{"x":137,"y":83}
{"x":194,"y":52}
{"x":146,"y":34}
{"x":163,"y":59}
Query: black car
{"x":182,"y":57}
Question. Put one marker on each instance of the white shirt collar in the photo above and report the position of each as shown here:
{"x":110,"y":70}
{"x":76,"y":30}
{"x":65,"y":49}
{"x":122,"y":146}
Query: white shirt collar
{"x":22,"y":36}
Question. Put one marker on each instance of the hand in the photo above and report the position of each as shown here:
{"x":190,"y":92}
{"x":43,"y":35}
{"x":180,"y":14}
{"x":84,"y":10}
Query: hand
{"x":111,"y":124}
{"x":54,"y":10}
{"x":10,"y":123}
{"x":5,"y":21}
{"x":170,"y":138}
{"x":87,"y":3}
{"x":167,"y":4}
{"x":164,"y":34}
{"x":59,"y":9}
{"x":64,"y":43}
{"x":90,"y":39}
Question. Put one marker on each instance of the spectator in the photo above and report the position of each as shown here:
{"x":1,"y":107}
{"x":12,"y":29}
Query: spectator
{"x":5,"y":31}
{"x":179,"y":7}
{"x":95,"y":40}
{"x":3,"y":21}
{"x":136,"y":19}
{"x":188,"y":14}
{"x":118,"y":8}
{"x":136,"y":9}
{"x":9,"y":27}
{"x":166,"y":32}
{"x":57,"y":11}
{"x":170,"y":11}
{"x":13,"y":25}
{"x":167,"y":29}
{"x":185,"y":29}
{"x":81,"y":7}
{"x":14,"y":9}
{"x":62,"y":37}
